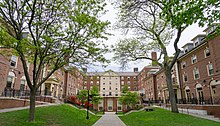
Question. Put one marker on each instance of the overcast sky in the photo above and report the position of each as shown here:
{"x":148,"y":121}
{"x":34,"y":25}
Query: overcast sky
{"x":111,"y":16}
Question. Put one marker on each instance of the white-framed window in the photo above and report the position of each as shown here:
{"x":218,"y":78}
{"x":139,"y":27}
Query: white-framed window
{"x":196,"y":42}
{"x":22,"y":85}
{"x":91,"y":82}
{"x":110,"y":88}
{"x":122,"y":82}
{"x":103,"y":88}
{"x":110,"y":93}
{"x":135,"y":78}
{"x":185,"y":77}
{"x":210,"y":69}
{"x":129,"y":82}
{"x":9,"y":81}
{"x":186,"y":50}
{"x":128,"y":78}
{"x":122,"y":78}
{"x":85,"y":87}
{"x":194,"y":59}
{"x":13,"y":61}
{"x":135,"y":88}
{"x":196,"y":73}
{"x":135,"y":83}
{"x":207,"y":52}
{"x":183,"y":64}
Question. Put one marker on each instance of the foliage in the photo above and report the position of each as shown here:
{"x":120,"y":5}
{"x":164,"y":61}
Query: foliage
{"x":129,"y":98}
{"x":125,"y":89}
{"x":152,"y":22}
{"x":160,"y":117}
{"x":52,"y":34}
{"x":62,"y":115}
{"x":82,"y":96}
{"x":94,"y":92}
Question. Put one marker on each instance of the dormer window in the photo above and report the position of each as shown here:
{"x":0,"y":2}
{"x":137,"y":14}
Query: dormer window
{"x":211,"y":29}
{"x":196,"y":42}
{"x":194,"y":59}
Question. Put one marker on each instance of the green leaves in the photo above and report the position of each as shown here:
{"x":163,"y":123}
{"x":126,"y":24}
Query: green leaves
{"x":129,"y":98}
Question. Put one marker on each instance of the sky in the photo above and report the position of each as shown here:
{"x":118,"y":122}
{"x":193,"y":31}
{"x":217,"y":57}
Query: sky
{"x":111,"y":16}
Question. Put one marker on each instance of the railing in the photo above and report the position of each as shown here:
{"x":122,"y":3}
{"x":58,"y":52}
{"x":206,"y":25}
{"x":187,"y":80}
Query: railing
{"x":198,"y":101}
{"x":20,"y":93}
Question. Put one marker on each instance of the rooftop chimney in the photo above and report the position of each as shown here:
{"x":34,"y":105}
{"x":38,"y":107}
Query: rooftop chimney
{"x":154,"y":57}
{"x":135,"y":69}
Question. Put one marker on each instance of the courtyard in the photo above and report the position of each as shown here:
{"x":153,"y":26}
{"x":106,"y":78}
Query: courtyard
{"x":66,"y":115}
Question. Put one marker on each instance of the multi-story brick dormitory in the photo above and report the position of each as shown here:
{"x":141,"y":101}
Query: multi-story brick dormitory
{"x":195,"y":76}
{"x":110,"y":85}
{"x":199,"y":69}
{"x":64,"y":82}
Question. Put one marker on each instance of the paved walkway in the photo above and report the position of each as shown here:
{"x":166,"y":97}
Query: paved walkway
{"x":27,"y":107}
{"x":196,"y":113}
{"x":109,"y":119}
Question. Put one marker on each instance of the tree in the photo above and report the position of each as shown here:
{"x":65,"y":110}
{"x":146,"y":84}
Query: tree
{"x":129,"y":99}
{"x":82,"y":96}
{"x":94,"y":92}
{"x":125,"y":89}
{"x":153,"y":23}
{"x":58,"y":32}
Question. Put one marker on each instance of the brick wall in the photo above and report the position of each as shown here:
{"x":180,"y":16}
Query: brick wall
{"x":14,"y":103}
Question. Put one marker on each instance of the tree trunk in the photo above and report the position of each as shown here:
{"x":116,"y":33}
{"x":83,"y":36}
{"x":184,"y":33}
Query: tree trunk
{"x":172,"y":97}
{"x":32,"y":106}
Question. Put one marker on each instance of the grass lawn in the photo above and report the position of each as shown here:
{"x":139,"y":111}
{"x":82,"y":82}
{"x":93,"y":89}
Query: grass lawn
{"x":161,"y":117}
{"x":62,"y":115}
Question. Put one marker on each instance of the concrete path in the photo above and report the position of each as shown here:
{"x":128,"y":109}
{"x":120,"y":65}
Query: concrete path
{"x":109,"y":119}
{"x":196,"y":113}
{"x":27,"y":107}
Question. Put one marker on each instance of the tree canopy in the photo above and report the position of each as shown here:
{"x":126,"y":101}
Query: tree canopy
{"x":153,"y":23}
{"x":52,"y":34}
{"x":129,"y":98}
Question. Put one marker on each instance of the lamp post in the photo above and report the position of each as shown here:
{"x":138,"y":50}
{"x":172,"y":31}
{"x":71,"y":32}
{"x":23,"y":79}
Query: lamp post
{"x":87,"y":115}
{"x":89,"y":98}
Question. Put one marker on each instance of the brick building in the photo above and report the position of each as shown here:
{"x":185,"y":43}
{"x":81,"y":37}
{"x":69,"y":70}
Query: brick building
{"x":199,"y":67}
{"x":63,"y":83}
{"x":110,"y":85}
{"x":12,"y":75}
{"x":195,"y":75}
